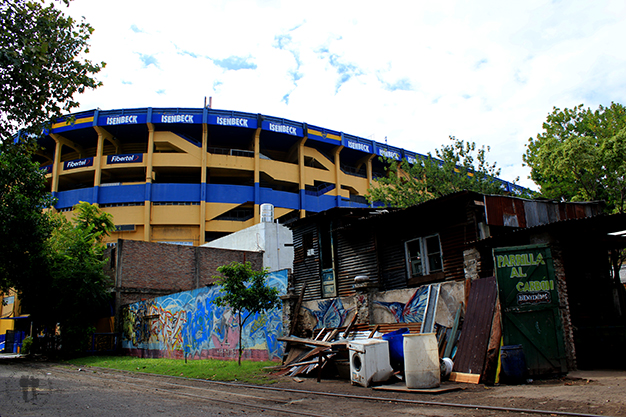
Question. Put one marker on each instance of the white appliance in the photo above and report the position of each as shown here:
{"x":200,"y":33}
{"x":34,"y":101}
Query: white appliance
{"x":369,"y":361}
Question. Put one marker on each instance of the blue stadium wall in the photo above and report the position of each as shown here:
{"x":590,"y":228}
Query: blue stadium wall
{"x":189,"y":175}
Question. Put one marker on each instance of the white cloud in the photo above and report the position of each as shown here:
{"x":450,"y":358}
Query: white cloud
{"x":415,"y":72}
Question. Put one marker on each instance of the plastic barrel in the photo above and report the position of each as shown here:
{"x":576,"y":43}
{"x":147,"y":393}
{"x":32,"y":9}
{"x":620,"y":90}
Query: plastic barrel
{"x":396,"y":345}
{"x":513,"y":364}
{"x":421,"y":360}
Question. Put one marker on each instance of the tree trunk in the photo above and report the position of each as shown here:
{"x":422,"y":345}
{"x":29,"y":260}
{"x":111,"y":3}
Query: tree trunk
{"x":240,"y":334}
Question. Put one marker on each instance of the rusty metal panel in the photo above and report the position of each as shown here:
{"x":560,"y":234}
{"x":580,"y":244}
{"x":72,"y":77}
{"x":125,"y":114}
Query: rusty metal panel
{"x":515,"y":212}
{"x":306,"y":268}
{"x":535,"y":213}
{"x":356,"y":255}
{"x":504,"y":211}
{"x":392,"y":261}
{"x":474,"y":340}
{"x":452,"y":245}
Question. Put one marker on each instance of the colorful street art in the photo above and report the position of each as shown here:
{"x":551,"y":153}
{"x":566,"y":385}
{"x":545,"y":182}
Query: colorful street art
{"x":189,"y":325}
{"x":328,"y":313}
{"x":410,"y":312}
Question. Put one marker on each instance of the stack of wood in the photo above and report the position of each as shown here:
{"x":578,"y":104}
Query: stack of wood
{"x":304,"y":355}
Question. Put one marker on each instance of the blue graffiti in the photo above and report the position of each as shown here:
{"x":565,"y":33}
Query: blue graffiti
{"x":329,"y":313}
{"x":411,"y":311}
{"x":189,"y":322}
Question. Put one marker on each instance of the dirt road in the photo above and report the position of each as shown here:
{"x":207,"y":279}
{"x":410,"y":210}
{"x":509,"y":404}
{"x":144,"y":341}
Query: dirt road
{"x":29,"y":388}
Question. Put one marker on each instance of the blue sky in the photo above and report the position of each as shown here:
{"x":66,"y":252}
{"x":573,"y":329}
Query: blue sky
{"x":413,"y":72}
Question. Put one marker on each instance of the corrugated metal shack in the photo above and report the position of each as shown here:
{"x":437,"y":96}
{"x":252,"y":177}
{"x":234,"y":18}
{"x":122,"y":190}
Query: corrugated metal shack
{"x":587,"y":253}
{"x":446,"y":240}
{"x":350,"y":242}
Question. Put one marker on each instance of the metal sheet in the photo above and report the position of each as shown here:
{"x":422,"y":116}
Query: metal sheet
{"x":474,"y":340}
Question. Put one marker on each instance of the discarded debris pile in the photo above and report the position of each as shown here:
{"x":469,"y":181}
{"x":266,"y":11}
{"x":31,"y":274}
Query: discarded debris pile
{"x":305,"y":355}
{"x":468,"y":350}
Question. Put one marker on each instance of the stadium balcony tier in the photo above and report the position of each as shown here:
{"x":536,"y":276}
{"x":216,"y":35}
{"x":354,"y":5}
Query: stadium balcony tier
{"x":190,"y":175}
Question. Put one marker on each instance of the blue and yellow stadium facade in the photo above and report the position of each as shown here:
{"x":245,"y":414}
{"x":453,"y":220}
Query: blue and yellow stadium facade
{"x":190,"y":175}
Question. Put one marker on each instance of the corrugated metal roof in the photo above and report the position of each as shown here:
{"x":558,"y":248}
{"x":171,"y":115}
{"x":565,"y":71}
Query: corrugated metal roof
{"x":607,"y":223}
{"x":518,"y":212}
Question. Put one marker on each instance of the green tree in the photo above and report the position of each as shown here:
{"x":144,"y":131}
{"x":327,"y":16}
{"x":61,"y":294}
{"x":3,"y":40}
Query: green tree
{"x":41,"y":65}
{"x":581,"y":155}
{"x":246,"y":292}
{"x":24,"y":228}
{"x":455,"y":167}
{"x":74,"y":291}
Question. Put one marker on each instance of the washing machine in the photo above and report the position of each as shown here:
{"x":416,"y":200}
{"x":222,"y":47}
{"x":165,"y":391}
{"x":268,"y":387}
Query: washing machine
{"x":369,"y":361}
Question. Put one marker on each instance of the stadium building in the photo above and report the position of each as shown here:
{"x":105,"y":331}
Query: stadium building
{"x":191,"y":175}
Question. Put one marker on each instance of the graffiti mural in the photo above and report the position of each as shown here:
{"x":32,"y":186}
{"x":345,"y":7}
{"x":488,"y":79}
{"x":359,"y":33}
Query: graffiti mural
{"x":188,"y":324}
{"x":328,"y":313}
{"x":410,"y":312}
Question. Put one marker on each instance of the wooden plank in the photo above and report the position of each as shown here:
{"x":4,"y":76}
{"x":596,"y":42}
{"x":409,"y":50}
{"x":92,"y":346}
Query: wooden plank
{"x":313,"y":353}
{"x":319,"y":334}
{"x":293,"y":339}
{"x":489,"y":374}
{"x":296,"y":313}
{"x":373,"y":332}
{"x":332,"y":335}
{"x":347,"y":332}
{"x":465,"y":378}
{"x":294,"y":354}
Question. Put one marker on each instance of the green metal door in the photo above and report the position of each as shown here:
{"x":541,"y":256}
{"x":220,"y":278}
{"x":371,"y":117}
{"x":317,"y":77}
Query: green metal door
{"x":530,"y":306}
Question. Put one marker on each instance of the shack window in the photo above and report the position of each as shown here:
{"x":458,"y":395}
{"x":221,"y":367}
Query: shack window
{"x":423,"y":256}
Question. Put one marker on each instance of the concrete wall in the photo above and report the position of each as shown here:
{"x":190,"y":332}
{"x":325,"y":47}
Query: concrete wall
{"x":188,"y":324}
{"x":395,"y":306}
{"x":273,"y":239}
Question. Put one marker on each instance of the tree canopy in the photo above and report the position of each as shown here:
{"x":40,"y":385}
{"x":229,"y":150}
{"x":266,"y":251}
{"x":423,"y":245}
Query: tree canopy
{"x":581,"y":155}
{"x":42,"y":65}
{"x":73,"y":288}
{"x":245,"y":291}
{"x":455,"y":167}
{"x":24,"y":227}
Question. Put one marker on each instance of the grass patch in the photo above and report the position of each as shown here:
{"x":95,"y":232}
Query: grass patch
{"x":249,"y":372}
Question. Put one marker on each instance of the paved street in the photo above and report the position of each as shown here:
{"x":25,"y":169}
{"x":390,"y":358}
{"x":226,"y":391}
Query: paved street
{"x":48,"y":389}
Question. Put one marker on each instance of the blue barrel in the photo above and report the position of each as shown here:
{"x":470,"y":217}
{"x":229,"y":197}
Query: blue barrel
{"x":396,"y":345}
{"x":513,"y":364}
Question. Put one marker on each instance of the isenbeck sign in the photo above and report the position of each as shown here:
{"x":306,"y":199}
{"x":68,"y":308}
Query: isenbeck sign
{"x":177,"y":118}
{"x":359,"y":146}
{"x":133,"y":158}
{"x":234,"y":121}
{"x":388,"y":154}
{"x":125,"y":119}
{"x":78,"y":163}
{"x":281,"y":128}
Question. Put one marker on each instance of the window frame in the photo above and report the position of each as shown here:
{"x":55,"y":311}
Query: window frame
{"x":424,"y":256}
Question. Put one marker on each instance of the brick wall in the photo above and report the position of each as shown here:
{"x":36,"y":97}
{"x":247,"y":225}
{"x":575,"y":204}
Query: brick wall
{"x":145,"y":270}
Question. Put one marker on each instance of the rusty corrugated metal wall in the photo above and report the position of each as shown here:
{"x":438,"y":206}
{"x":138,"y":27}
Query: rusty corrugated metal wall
{"x":355,"y":255}
{"x":306,"y":269}
{"x":392,"y":261}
